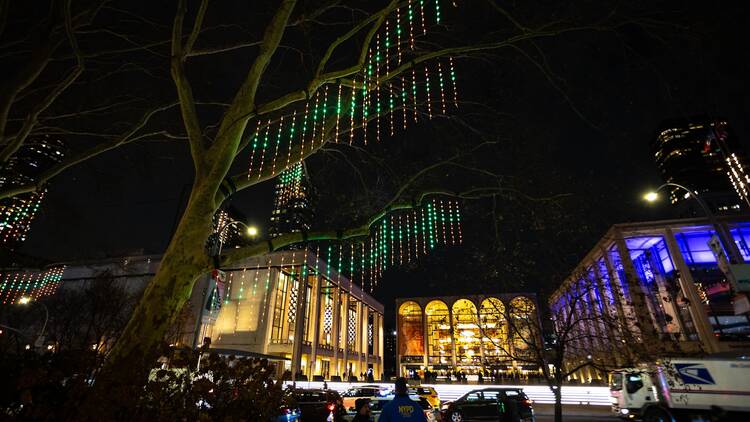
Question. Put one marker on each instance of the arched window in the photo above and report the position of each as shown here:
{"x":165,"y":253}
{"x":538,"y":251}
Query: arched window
{"x":494,"y":331}
{"x":410,"y":334}
{"x":523,"y":323}
{"x":439,"y":346}
{"x":466,"y":333}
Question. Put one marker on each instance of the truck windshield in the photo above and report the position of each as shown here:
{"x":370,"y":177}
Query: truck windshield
{"x":615,"y":381}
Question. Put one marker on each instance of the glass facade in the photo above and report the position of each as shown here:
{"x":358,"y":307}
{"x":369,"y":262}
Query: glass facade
{"x":469,"y":334}
{"x":687,"y":296}
{"x":494,"y":331}
{"x":411,"y":334}
{"x":439,"y":343}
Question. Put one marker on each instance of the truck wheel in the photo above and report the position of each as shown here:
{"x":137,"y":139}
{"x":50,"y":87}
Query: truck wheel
{"x":457,"y":417}
{"x":658,"y":414}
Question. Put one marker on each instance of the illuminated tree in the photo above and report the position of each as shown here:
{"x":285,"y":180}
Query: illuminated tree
{"x":382,"y":73}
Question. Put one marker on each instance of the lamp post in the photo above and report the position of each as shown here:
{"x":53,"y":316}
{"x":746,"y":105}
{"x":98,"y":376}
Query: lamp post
{"x":25,"y":300}
{"x":251,"y":231}
{"x":722,"y":233}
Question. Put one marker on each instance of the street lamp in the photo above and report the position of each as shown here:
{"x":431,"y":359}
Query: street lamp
{"x":25,"y":300}
{"x":251,"y":231}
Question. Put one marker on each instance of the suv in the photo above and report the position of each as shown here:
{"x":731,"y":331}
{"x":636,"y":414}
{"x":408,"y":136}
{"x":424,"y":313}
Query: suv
{"x":489,"y":404}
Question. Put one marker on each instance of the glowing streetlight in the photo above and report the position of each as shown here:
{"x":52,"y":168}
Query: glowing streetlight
{"x":252,"y":231}
{"x":651,"y":196}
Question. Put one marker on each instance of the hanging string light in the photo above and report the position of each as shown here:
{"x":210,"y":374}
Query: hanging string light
{"x":324,"y":116}
{"x":314,"y":121}
{"x":427,"y":90}
{"x":278,"y":144}
{"x":442,"y":90}
{"x":377,"y":87}
{"x":352,"y":108}
{"x":398,"y":35}
{"x":304,"y":130}
{"x":291,"y":139}
{"x":265,"y":145}
{"x":437,"y":11}
{"x":421,"y":12}
{"x":453,"y":82}
{"x":254,"y":147}
{"x":403,"y":99}
{"x":458,"y":223}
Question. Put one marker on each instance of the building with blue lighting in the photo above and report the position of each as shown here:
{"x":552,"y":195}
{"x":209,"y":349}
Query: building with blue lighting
{"x":686,"y":297}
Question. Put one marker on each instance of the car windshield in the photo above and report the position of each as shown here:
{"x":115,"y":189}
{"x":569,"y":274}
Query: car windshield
{"x":421,"y":391}
{"x":615,"y":381}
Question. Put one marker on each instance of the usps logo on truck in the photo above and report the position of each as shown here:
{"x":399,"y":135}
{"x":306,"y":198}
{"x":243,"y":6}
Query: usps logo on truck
{"x":694,"y":373}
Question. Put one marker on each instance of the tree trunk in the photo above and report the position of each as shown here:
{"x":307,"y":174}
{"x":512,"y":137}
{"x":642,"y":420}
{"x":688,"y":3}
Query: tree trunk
{"x":126,"y":368}
{"x":558,"y":403}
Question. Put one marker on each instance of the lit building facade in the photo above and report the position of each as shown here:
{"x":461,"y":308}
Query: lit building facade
{"x":686,"y":296}
{"x":17,"y":213}
{"x":289,"y":304}
{"x":292,"y":209}
{"x":462,"y":333}
{"x":704,"y":155}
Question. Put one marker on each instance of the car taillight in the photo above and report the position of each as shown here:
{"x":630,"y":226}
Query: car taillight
{"x":528,"y":402}
{"x":331,"y":407}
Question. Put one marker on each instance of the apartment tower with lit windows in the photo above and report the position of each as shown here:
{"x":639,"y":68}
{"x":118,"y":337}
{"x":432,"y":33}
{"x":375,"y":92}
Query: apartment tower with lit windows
{"x":704,"y":155}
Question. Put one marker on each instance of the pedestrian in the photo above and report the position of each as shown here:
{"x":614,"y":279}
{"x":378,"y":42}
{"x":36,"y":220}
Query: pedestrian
{"x":402,"y":408}
{"x":362,"y":409}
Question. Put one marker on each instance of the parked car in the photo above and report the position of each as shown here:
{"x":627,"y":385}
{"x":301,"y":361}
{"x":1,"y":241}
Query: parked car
{"x":366,"y":391}
{"x":318,"y":405}
{"x":377,"y":403}
{"x":489,"y":404}
{"x":428,"y":393}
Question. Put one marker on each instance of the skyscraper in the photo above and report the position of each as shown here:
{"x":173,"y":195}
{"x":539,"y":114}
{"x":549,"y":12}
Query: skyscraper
{"x":704,"y":155}
{"x":292,"y":208}
{"x":18,"y":212}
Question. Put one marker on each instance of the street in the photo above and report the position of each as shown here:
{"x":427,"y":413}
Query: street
{"x":545,"y":413}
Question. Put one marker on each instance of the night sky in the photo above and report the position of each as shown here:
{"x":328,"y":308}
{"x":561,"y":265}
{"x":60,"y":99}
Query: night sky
{"x":676,"y":59}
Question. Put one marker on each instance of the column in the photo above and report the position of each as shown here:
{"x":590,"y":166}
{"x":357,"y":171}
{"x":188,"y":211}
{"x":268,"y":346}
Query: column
{"x":617,"y":294}
{"x":315,"y":320}
{"x":336,"y":326}
{"x":696,"y":309}
{"x":299,"y":322}
{"x":381,"y":334}
{"x":347,"y":296}
{"x":425,"y":341}
{"x":358,"y":337}
{"x":649,"y":336}
{"x":365,"y":315}
{"x":454,"y":360}
{"x":612,"y":335}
